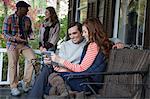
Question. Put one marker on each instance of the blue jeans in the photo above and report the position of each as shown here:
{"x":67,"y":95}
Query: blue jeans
{"x":41,"y":85}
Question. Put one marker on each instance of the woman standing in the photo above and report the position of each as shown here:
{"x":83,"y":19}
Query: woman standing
{"x":49,"y":31}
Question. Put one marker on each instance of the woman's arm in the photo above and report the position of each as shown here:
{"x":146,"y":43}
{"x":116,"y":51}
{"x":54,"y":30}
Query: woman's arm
{"x":89,"y":58}
{"x":55,"y":33}
{"x":61,"y":69}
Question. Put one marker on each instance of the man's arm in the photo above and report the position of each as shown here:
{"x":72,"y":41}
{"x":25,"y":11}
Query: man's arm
{"x":6,"y":29}
{"x":62,"y":50}
{"x":117,"y":43}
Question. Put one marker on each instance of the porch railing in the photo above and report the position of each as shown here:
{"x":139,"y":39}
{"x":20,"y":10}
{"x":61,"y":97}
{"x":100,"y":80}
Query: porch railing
{"x":2,"y":52}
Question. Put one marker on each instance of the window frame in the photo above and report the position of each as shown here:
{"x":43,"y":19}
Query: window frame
{"x":116,"y":24}
{"x":78,"y":10}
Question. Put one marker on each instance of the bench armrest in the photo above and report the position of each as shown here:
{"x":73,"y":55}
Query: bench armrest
{"x":84,"y":75}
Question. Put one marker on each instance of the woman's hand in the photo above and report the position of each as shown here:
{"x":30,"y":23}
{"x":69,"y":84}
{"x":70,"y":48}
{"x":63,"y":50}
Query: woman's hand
{"x":47,"y":61}
{"x":60,"y":69}
{"x":57,"y":59}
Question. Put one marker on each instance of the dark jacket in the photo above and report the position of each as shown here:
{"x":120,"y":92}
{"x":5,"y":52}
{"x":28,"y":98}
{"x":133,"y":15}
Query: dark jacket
{"x":98,"y":65}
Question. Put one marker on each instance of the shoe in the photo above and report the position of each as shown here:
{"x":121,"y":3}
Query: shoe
{"x":15,"y":92}
{"x":24,"y":88}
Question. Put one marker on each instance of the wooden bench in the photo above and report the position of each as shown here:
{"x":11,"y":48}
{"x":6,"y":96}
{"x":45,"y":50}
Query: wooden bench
{"x":127,"y":76}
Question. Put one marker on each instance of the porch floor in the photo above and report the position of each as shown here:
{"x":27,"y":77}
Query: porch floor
{"x":5,"y":94}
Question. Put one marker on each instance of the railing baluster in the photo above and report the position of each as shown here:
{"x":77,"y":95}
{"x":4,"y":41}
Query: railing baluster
{"x":2,"y":51}
{"x":1,"y":65}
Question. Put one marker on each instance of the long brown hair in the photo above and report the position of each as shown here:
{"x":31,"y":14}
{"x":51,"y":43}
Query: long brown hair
{"x":54,"y":17}
{"x":97,"y":34}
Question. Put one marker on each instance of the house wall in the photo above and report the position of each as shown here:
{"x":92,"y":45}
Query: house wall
{"x":147,"y":27}
{"x":105,"y":11}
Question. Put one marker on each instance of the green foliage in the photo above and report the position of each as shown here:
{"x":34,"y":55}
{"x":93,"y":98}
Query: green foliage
{"x":35,"y":43}
{"x":1,"y":22}
{"x":38,"y":23}
{"x":5,"y":67}
{"x":2,"y":42}
{"x":63,"y":27}
{"x":41,"y":19}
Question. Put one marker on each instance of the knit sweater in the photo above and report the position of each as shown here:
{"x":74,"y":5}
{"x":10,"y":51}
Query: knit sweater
{"x":72,"y":52}
{"x":53,"y":33}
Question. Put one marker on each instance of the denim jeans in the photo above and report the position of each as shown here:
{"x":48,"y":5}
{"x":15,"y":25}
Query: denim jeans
{"x":41,"y":85}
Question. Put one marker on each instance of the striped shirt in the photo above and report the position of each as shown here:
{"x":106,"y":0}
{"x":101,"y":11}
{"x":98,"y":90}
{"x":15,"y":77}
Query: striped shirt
{"x":11,"y":29}
{"x":89,"y":58}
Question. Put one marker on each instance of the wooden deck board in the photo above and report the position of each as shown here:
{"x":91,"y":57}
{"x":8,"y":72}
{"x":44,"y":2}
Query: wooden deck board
{"x":5,"y":94}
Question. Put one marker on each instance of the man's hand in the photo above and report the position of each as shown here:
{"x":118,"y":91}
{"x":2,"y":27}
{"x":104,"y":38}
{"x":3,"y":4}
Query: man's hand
{"x":47,"y":61}
{"x":118,"y":45}
{"x":42,"y":49}
{"x":20,"y":40}
{"x":31,"y":36}
{"x":57,"y":59}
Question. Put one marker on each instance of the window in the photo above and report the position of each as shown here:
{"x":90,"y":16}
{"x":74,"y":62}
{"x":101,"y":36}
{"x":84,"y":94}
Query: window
{"x":81,"y":14}
{"x":131,"y":21}
{"x":101,"y":10}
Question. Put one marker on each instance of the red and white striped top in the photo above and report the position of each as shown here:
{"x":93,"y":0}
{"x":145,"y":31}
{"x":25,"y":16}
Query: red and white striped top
{"x":87,"y":61}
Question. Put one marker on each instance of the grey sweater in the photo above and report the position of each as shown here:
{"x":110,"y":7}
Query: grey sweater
{"x":53,"y":33}
{"x":72,"y":52}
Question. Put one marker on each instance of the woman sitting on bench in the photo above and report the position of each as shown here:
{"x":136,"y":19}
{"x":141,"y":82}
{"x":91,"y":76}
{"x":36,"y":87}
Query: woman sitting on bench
{"x":93,"y":57}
